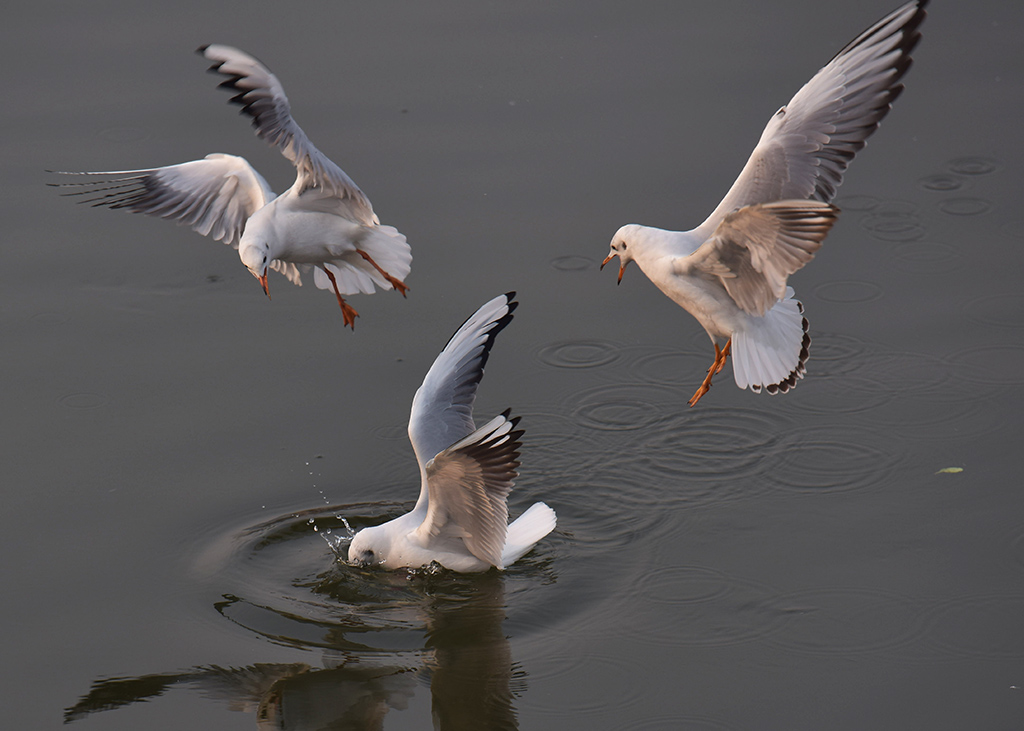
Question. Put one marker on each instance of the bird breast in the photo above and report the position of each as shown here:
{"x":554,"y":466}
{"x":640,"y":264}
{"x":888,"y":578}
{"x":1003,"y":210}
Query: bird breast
{"x":311,"y":237}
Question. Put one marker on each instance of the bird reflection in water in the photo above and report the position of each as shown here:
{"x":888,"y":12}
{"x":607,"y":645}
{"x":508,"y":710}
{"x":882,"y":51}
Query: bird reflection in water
{"x":465,"y":659}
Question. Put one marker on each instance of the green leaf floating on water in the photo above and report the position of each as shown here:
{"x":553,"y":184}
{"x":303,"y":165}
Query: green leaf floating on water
{"x":950,"y":470}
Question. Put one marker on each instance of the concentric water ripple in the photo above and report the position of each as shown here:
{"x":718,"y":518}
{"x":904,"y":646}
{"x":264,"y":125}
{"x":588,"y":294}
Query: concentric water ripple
{"x":605,"y":512}
{"x":624,"y":406}
{"x":608,"y":676}
{"x":673,"y":367}
{"x":926,"y":257}
{"x":973,"y":165}
{"x":894,"y":221}
{"x":709,"y":609}
{"x":849,"y":394}
{"x":906,"y":372}
{"x":849,"y":621}
{"x":573,"y":263}
{"x":941,"y":182}
{"x":965,"y":206}
{"x":554,"y":447}
{"x":848,"y":292}
{"x":879,"y":375}
{"x":858,"y":203}
{"x":682,"y":585}
{"x":833,"y":354}
{"x":701,"y":456}
{"x":955,"y":415}
{"x":999,"y":365}
{"x":392,"y":432}
{"x":827,"y":459}
{"x":579,"y":353}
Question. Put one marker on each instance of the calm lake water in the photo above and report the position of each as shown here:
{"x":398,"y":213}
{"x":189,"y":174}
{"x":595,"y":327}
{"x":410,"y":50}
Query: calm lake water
{"x":174,"y":443}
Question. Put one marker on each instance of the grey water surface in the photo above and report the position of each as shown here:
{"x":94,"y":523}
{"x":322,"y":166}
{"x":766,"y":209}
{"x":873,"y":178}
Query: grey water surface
{"x":175,"y":445}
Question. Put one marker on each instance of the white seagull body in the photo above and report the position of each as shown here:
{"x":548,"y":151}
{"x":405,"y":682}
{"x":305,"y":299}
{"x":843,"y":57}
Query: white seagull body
{"x":461,"y":517}
{"x":323,"y":222}
{"x":731,"y":271}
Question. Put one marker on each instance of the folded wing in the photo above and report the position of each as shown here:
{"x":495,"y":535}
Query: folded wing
{"x":469,"y":483}
{"x":755,"y":249}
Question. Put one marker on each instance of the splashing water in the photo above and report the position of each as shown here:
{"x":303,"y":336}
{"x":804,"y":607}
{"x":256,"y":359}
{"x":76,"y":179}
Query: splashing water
{"x":337,"y":543}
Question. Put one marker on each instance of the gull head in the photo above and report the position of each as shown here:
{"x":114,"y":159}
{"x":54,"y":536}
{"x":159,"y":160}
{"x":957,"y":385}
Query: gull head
{"x":256,"y":257}
{"x":369,"y":547}
{"x":623,"y":246}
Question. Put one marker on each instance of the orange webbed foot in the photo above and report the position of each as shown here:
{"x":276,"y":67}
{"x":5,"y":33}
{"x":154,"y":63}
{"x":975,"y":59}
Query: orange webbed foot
{"x":347,"y":311}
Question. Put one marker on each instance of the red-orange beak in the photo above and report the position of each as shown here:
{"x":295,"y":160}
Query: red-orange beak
{"x":622,"y":267}
{"x":263,"y":283}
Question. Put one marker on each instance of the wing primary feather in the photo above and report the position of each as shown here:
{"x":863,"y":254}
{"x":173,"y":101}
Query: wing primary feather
{"x":442,"y":409}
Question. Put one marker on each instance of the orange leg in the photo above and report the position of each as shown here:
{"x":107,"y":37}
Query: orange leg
{"x":716,"y":367}
{"x":347,"y":311}
{"x":721,"y":355}
{"x":396,"y":283}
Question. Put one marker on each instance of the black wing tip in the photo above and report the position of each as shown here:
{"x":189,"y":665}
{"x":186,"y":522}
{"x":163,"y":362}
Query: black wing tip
{"x":510,"y":301}
{"x":502,"y":448}
{"x":514,"y":420}
{"x":909,"y":30}
{"x":202,"y":49}
{"x":500,"y":324}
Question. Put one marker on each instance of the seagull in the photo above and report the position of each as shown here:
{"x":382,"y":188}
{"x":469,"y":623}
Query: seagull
{"x":324,"y":222}
{"x":461,"y":517}
{"x":730,"y":272}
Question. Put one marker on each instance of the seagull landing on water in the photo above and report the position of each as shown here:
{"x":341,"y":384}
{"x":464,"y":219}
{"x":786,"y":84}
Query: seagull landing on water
{"x":730,"y":272}
{"x":323,"y":222}
{"x":461,"y":517}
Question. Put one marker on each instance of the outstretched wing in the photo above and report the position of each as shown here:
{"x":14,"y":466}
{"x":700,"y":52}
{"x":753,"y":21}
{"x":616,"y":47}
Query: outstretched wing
{"x":215,"y":195}
{"x":468,"y":484}
{"x":807,"y":145}
{"x":262,"y":97}
{"x":442,"y":409}
{"x":755,"y":249}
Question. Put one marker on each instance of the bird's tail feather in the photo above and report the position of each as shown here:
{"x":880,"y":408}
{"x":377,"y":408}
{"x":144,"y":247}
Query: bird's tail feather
{"x":525,"y":531}
{"x":772,"y":351}
{"x":386,"y":246}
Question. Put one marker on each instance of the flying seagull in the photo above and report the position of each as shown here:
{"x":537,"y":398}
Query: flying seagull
{"x":324,"y":222}
{"x":730,"y":272}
